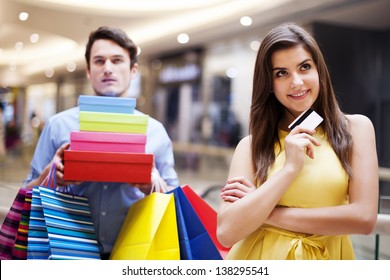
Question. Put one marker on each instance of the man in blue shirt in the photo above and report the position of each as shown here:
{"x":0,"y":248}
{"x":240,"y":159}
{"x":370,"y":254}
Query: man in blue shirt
{"x":111,"y":65}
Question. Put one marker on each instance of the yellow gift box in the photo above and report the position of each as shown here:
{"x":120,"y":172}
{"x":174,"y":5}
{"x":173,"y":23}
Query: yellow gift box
{"x":113,"y":122}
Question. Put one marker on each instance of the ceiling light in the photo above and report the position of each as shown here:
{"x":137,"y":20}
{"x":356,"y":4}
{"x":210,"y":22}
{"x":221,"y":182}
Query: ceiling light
{"x":23,"y":16}
{"x":49,"y":72}
{"x":255,"y":45}
{"x":19,"y":46}
{"x":183,"y":38}
{"x":156,"y":64}
{"x":231,"y":72}
{"x":71,"y":66}
{"x":34,"y":38}
{"x":246,"y":21}
{"x":126,"y":5}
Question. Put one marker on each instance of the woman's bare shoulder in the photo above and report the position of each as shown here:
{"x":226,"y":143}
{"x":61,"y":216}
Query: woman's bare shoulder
{"x":244,"y":146}
{"x":247,"y":139}
{"x":359,"y":122}
{"x":361,"y":127}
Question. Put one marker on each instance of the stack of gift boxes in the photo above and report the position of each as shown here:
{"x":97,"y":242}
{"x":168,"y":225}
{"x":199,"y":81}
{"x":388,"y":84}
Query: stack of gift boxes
{"x":110,"y":146}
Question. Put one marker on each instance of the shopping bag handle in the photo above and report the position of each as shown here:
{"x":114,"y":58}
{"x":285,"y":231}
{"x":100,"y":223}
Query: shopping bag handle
{"x":51,"y":177}
{"x":51,"y":181}
{"x":158,"y":183}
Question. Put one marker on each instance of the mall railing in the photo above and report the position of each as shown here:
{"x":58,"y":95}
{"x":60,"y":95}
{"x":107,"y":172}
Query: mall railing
{"x":383,"y":222}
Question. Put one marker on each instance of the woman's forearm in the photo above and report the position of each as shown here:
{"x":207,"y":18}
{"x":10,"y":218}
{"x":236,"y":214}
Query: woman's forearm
{"x":335,"y":220}
{"x":239,"y":219}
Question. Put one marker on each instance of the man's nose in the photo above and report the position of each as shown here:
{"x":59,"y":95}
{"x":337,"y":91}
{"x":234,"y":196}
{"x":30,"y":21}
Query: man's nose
{"x":107,"y":67}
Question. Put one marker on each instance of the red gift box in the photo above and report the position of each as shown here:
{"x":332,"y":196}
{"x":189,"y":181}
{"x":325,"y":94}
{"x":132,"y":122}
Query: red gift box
{"x":107,"y":167}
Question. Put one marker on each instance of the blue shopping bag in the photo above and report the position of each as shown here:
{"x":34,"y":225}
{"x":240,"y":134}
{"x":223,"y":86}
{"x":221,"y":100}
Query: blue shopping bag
{"x":37,"y":237}
{"x":60,"y":225}
{"x":195,"y":242}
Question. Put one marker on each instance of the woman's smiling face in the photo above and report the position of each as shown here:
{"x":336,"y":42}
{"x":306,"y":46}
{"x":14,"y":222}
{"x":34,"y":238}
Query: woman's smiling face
{"x":295,"y":79}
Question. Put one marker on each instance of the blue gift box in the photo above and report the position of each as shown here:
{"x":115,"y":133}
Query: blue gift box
{"x":107,"y":104}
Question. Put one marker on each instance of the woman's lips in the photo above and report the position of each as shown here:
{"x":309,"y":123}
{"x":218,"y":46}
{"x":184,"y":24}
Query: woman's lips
{"x":299,"y":95}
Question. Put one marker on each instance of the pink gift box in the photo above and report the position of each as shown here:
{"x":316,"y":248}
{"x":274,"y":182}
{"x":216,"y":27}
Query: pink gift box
{"x":107,"y":142}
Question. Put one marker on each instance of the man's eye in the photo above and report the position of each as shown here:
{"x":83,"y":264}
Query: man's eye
{"x":99,"y":61}
{"x":117,"y":60}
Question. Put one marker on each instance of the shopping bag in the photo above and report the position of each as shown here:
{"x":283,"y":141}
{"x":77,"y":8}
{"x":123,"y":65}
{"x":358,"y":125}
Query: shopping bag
{"x":195,"y":241}
{"x":37,"y":237}
{"x":19,"y":251}
{"x":69,"y":225}
{"x":149,"y":231}
{"x":207,"y":215}
{"x":60,"y":225}
{"x":9,"y":228}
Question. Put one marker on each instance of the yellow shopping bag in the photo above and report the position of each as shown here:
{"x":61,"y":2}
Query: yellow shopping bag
{"x":149,"y":231}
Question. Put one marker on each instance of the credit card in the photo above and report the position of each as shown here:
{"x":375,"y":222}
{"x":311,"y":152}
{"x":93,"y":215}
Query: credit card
{"x":309,"y":119}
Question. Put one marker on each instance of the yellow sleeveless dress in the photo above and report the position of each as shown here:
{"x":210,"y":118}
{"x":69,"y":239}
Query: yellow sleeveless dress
{"x":322,"y":182}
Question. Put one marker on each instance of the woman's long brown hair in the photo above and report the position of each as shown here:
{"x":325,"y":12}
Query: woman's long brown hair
{"x":266,"y":111}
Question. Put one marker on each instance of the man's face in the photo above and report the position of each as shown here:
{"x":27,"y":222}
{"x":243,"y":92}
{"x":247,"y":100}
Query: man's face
{"x":110,"y":72}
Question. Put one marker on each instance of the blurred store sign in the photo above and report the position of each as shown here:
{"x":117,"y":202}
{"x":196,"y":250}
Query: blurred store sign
{"x":176,"y":73}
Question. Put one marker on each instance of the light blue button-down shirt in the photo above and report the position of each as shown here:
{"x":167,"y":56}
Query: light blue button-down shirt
{"x":109,"y":201}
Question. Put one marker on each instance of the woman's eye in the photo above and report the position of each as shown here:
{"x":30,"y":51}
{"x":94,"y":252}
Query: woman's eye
{"x":281,"y":73}
{"x":306,"y":66}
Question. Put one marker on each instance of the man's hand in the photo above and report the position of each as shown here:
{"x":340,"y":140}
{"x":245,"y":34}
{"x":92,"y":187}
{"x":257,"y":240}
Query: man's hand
{"x":145,"y":188}
{"x":58,"y":159}
{"x":157,"y":184}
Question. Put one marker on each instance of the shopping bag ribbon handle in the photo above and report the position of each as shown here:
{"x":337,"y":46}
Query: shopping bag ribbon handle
{"x":51,"y":179}
{"x":158,"y":183}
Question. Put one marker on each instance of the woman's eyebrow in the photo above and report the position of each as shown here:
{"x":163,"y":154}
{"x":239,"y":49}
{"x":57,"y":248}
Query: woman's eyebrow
{"x":279,"y":68}
{"x":299,"y":64}
{"x":306,"y":60}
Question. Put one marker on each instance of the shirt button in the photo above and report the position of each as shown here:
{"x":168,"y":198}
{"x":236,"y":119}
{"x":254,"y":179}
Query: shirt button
{"x":105,"y":187}
{"x":104,"y":213}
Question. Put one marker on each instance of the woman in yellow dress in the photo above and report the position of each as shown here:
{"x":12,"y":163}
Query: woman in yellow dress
{"x":299,"y":193}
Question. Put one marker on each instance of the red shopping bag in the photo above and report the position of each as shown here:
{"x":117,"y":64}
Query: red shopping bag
{"x":194,"y":239}
{"x":207,"y":215}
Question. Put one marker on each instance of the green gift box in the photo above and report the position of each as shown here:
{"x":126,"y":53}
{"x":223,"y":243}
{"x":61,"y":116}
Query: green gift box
{"x":113,"y":122}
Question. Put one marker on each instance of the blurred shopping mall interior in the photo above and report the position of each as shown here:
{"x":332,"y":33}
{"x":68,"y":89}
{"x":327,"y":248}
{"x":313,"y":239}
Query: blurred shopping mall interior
{"x":196,"y":66}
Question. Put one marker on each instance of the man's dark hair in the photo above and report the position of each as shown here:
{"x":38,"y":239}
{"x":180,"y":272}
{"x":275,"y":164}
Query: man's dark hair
{"x":116,"y":35}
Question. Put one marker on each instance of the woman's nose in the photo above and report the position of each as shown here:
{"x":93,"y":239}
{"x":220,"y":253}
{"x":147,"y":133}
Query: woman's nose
{"x":296,"y":81}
